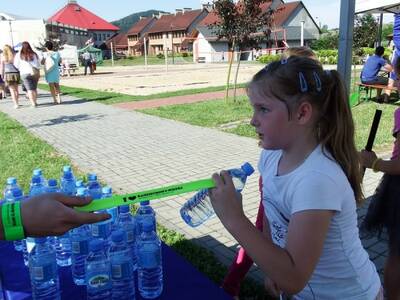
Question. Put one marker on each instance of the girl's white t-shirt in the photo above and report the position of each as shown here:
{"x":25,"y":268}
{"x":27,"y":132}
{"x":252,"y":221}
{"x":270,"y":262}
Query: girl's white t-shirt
{"x":344,"y":270}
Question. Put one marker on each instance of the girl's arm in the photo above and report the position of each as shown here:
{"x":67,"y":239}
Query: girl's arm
{"x":290,"y":268}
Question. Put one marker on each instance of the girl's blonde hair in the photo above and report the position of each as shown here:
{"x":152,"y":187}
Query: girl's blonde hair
{"x":8,"y":53}
{"x":299,"y":51}
{"x":300,"y":79}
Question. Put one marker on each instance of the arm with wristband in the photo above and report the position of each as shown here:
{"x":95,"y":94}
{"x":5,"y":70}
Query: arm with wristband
{"x":44,"y":215}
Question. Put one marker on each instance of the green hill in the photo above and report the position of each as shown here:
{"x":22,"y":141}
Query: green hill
{"x":126,"y":23}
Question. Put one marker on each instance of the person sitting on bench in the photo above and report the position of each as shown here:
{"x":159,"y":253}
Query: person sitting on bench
{"x":369,"y":73}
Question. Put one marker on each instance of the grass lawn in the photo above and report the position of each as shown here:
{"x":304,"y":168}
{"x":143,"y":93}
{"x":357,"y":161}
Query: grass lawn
{"x":151,"y":60}
{"x":21,"y":152}
{"x":112,"y":98}
{"x":216,"y":113}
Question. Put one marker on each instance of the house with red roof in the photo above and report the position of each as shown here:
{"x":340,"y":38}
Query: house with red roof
{"x":288,"y":21}
{"x":74,"y":15}
{"x":137,"y":34}
{"x":170,"y":31}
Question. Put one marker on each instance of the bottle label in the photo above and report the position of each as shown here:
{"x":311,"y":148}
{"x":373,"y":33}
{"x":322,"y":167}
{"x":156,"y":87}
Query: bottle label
{"x":149,"y":259}
{"x":98,"y":281}
{"x":80,"y":247}
{"x":101,"y":230}
{"x":130,"y":236}
{"x":121,"y":270}
{"x":44,"y":273}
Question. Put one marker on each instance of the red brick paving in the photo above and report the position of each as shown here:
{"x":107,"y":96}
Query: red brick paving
{"x":176,"y":100}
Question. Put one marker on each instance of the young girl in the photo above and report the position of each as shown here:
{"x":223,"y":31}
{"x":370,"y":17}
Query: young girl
{"x":10,"y":73}
{"x":384,"y":210}
{"x":53,"y":74}
{"x":310,"y":246}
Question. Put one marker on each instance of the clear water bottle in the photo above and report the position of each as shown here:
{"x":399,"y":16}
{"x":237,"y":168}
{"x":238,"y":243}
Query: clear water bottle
{"x":64,"y":250}
{"x":80,"y":238}
{"x":52,"y":186}
{"x":79,"y":184}
{"x":150,"y":273}
{"x":145,"y":213}
{"x":38,"y":172}
{"x":102,"y":230}
{"x":107,"y":193}
{"x":67,"y":182}
{"x":122,"y":274}
{"x":93,"y":186}
{"x":98,"y":272}
{"x":13,"y":193}
{"x":43,"y":271}
{"x":127,"y":223}
{"x":198,"y":209}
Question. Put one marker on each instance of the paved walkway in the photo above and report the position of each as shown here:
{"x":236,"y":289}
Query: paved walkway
{"x":131,"y":151}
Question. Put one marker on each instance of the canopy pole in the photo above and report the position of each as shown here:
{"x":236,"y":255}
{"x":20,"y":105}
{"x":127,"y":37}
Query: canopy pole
{"x":347,"y":10}
{"x":380,"y":29}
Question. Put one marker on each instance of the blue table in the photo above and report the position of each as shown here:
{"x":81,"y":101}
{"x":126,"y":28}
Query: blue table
{"x":181,"y":280}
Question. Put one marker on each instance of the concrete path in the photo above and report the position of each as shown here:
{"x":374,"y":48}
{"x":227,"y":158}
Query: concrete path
{"x":131,"y":151}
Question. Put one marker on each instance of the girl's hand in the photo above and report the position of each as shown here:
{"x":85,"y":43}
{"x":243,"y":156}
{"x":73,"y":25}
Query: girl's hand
{"x":271,"y":287}
{"x":227,"y":203}
{"x":53,"y":214}
{"x":367,"y":158}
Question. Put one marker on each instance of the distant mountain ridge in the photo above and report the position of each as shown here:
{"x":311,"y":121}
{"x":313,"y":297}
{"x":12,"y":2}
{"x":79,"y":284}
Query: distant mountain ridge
{"x":127,"y":22}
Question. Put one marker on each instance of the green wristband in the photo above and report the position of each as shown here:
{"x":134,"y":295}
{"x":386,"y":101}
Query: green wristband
{"x":12,"y":222}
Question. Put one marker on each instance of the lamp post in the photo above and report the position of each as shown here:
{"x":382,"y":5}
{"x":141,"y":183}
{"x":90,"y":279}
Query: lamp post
{"x":301,"y":33}
{"x":11,"y":34}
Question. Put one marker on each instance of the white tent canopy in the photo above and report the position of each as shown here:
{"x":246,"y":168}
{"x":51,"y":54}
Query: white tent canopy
{"x":377,"y":7}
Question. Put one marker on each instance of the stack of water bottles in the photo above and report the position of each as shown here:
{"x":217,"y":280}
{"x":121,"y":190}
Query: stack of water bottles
{"x":103,"y":256}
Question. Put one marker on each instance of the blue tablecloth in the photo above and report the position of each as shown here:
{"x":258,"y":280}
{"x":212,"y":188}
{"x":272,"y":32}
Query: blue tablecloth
{"x":181,"y":280}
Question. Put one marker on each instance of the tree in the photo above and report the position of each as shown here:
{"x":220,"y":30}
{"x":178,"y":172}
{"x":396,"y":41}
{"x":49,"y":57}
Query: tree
{"x":386,"y":30}
{"x":329,"y":40}
{"x":244,"y":24}
{"x":365,"y":31}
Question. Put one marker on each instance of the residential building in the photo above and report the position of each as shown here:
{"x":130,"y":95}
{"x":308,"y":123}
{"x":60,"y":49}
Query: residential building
{"x":136,"y":35}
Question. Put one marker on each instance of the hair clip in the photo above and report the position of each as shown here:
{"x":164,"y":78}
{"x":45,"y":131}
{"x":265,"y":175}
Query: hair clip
{"x":283,"y":61}
{"x":318,"y":84}
{"x":328,"y":72}
{"x":303,"y":83}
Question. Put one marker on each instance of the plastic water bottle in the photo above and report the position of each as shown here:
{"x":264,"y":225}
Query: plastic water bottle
{"x":102,"y":230}
{"x":94,"y":186}
{"x":150,"y":274}
{"x":98,"y":272}
{"x":107,"y":193}
{"x":80,"y":238}
{"x":43,"y":271}
{"x":38,"y":172}
{"x":82,"y":192}
{"x":128,"y":224}
{"x":67,"y":182}
{"x":64,"y":250}
{"x":198,"y":208}
{"x":122,"y":274}
{"x":14,"y":193}
{"x":145,"y":213}
{"x":52,"y":186}
{"x":79,"y":184}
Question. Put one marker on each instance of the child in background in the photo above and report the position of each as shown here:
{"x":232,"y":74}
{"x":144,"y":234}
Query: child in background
{"x":384,"y":210}
{"x":242,"y":262}
{"x":310,"y":246}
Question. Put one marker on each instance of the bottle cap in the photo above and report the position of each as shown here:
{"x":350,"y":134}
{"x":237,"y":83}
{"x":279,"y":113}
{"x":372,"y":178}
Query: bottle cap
{"x":118,"y":235}
{"x":67,"y":169}
{"x":81,"y":192}
{"x":36,"y":179}
{"x":11,"y":180}
{"x":143,"y":203}
{"x":106,"y":190}
{"x":52,"y":182}
{"x":37,"y":172}
{"x":40,"y":240}
{"x":247,"y":168}
{"x":17,"y":193}
{"x":91,"y":177}
{"x":67,"y":175}
{"x":124,"y":209}
{"x":96,"y":245}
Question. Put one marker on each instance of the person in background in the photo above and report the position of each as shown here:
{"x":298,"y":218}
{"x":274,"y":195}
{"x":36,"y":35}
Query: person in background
{"x":27,"y":61}
{"x":87,"y":61}
{"x":53,"y":214}
{"x":10,"y":73}
{"x":369,"y":73}
{"x":52,"y":60}
{"x":243,"y":262}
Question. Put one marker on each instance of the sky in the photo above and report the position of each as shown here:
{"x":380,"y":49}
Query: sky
{"x":323,"y":11}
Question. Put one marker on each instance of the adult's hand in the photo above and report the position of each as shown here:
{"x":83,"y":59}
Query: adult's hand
{"x":53,"y":214}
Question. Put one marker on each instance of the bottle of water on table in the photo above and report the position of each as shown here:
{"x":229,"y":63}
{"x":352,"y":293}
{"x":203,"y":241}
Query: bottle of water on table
{"x":107,"y":193}
{"x":80,"y":238}
{"x":150,"y":271}
{"x":43,"y":271}
{"x":198,"y":208}
{"x":122,"y":274}
{"x":127,"y":223}
{"x":98,"y":272}
{"x":145,"y":213}
{"x":93,"y":186}
{"x":67,"y":182}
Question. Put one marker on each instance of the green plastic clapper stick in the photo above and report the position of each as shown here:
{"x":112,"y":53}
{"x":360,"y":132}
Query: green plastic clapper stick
{"x":157,"y":193}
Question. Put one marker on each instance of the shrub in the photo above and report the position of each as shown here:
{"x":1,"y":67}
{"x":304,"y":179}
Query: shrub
{"x":160,"y":56}
{"x":266,"y":59}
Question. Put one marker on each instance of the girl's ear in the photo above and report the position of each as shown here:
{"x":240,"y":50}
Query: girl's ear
{"x":304,"y":113}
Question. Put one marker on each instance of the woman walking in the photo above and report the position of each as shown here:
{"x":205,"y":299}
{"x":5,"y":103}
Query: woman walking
{"x":10,"y":73}
{"x":27,"y":61}
{"x":52,"y":74}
